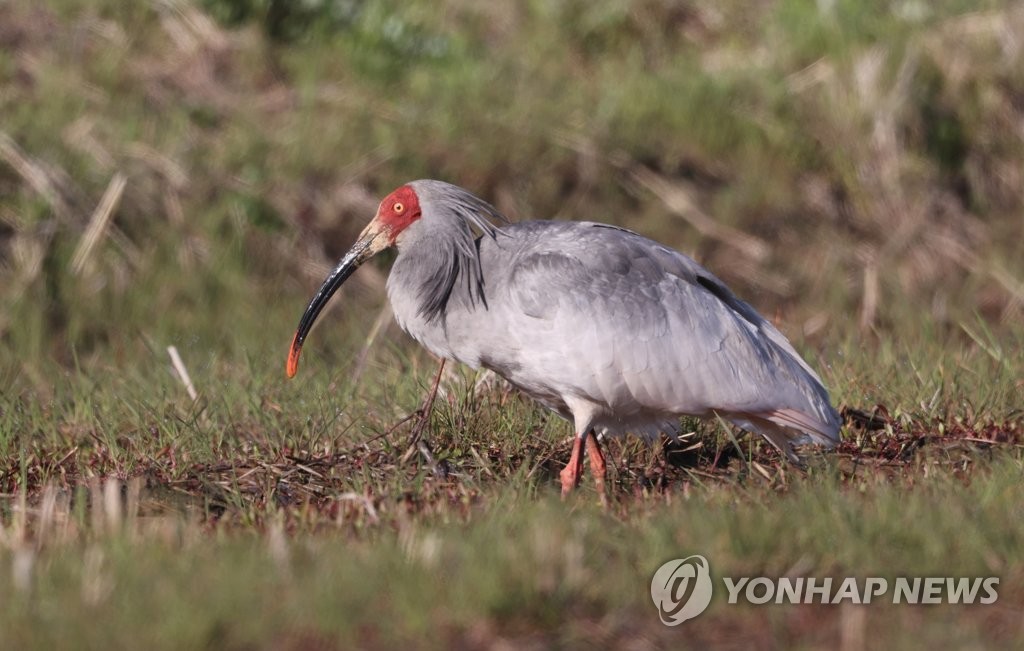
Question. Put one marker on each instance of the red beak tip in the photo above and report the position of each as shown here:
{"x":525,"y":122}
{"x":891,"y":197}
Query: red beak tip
{"x":292,"y":367}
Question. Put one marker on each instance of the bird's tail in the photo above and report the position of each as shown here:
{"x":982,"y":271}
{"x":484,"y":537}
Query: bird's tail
{"x":785,"y":428}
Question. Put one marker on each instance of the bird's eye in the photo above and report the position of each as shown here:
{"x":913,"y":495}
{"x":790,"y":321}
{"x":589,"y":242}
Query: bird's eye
{"x":399,"y":207}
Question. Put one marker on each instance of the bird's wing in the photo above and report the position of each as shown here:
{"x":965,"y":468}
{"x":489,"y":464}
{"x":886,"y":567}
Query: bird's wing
{"x":627,"y":320}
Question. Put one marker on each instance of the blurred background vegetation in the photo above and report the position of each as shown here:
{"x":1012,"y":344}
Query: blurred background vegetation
{"x":186,"y":172}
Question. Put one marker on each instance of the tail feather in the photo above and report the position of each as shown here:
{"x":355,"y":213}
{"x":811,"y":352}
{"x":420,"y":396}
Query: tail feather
{"x":785,"y":428}
{"x":819,"y":432}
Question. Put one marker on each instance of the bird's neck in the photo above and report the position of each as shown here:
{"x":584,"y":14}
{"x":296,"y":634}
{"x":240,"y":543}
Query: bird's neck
{"x":431,"y":276}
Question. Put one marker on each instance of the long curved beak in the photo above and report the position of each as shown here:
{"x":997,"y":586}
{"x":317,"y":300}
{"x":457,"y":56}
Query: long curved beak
{"x":372,"y":241}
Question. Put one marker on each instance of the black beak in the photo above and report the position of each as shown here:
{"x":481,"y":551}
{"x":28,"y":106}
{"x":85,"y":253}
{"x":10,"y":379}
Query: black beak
{"x":370,"y":242}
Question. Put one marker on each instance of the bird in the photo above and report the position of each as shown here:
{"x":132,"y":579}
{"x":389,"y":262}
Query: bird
{"x":613,"y":331}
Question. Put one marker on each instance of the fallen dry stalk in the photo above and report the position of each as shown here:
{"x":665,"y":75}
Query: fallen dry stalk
{"x":179,"y":367}
{"x":98,"y":222}
{"x":34,"y":174}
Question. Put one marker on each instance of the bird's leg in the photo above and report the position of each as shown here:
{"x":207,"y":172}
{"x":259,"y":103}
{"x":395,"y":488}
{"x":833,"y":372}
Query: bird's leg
{"x":421,"y":424}
{"x":574,"y":469}
{"x":597,"y":465}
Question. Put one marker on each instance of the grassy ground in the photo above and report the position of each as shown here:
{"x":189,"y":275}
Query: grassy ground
{"x":853,"y":169}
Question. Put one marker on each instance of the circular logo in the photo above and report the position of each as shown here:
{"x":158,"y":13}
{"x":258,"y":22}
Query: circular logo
{"x":681,"y":589}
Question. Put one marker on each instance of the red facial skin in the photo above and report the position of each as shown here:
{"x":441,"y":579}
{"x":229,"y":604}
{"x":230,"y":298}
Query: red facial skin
{"x":398,"y":210}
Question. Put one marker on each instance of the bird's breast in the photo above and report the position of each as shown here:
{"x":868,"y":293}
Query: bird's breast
{"x":429,"y":333}
{"x":447,"y":335}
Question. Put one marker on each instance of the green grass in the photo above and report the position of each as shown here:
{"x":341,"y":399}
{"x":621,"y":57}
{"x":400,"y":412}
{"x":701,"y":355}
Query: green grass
{"x":528,"y":569}
{"x":865,"y":147}
{"x":258,"y":518}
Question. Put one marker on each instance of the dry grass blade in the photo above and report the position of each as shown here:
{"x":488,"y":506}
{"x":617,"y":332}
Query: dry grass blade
{"x":366,"y":502}
{"x":33,"y":174}
{"x":383,"y":318}
{"x":98,"y":222}
{"x":869,"y":303}
{"x":678,"y":201}
{"x":179,"y":367}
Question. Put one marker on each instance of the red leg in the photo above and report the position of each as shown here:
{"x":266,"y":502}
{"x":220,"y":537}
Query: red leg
{"x":574,"y":469}
{"x":597,"y":465}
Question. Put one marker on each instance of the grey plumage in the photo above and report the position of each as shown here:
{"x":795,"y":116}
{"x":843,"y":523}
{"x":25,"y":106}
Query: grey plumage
{"x":458,"y":259}
{"x":608,"y":328}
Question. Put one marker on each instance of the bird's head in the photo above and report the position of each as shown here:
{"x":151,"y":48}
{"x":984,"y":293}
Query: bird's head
{"x":396,"y":212}
{"x":453,"y":214}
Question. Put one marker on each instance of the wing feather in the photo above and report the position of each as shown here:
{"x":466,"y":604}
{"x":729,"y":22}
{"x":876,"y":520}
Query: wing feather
{"x":641,"y":326}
